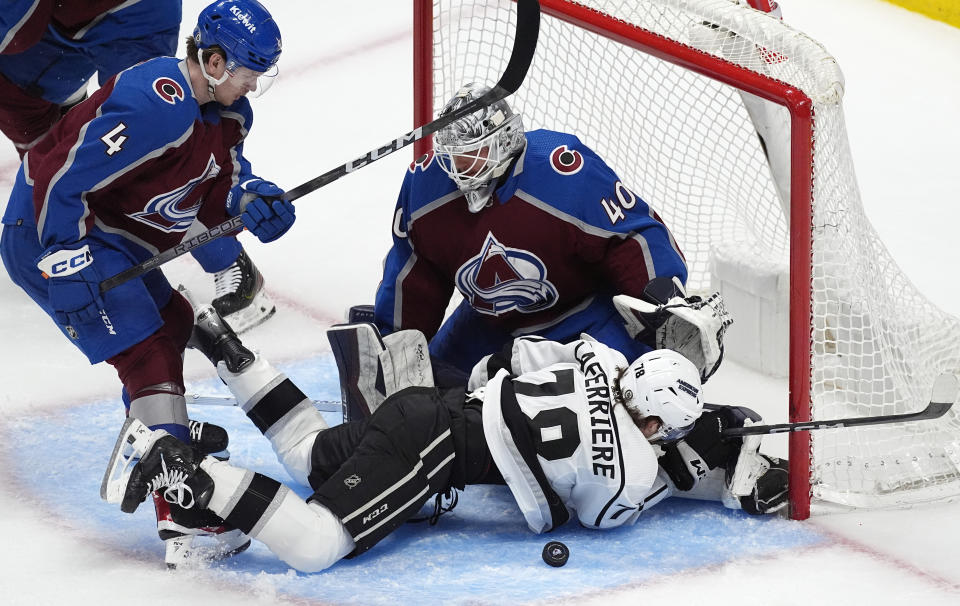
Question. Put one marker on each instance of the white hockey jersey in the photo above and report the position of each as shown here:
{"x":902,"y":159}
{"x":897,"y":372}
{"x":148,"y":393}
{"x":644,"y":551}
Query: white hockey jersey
{"x":588,"y":451}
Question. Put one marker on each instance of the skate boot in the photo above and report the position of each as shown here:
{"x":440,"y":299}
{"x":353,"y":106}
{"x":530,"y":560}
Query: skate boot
{"x":213,"y":337}
{"x":195,"y":536}
{"x":144,"y":461}
{"x":209,"y":439}
{"x":239,"y":297}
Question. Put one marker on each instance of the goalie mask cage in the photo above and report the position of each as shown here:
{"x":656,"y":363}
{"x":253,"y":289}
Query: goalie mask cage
{"x":661,"y":90}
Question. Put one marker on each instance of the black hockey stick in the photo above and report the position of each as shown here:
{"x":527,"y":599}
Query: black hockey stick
{"x":945,"y":390}
{"x":524,"y":46}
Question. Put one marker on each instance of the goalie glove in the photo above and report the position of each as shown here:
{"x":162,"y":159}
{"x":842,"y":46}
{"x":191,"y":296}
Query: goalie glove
{"x":757,"y":483}
{"x":691,"y":326}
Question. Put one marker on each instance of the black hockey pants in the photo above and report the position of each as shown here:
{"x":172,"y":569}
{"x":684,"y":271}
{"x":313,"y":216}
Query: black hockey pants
{"x":376,"y":473}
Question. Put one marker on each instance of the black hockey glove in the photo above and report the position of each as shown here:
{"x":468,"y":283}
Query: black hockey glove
{"x":769,"y":494}
{"x":704,"y":448}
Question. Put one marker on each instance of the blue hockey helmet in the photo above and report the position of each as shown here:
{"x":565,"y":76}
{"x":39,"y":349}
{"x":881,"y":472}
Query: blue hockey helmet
{"x":244,"y":29}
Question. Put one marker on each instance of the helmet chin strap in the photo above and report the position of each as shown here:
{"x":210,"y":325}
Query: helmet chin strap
{"x":212,"y":82}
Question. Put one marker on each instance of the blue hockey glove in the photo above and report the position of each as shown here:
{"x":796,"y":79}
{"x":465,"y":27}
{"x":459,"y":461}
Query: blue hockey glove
{"x":269,"y":221}
{"x":73,"y":284}
{"x":262,"y":211}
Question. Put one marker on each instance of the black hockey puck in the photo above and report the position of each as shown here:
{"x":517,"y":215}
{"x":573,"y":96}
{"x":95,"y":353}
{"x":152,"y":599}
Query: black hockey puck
{"x":555,"y":553}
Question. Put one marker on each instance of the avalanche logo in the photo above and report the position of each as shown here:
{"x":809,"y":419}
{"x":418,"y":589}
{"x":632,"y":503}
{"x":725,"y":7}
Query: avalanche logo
{"x":422,"y":162}
{"x":566,"y":161}
{"x":501,"y":279}
{"x":164,"y":212}
{"x":168,"y":89}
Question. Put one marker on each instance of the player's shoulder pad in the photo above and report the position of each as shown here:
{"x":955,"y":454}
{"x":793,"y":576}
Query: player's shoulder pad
{"x":425,"y":182}
{"x":160,"y":85}
{"x":562,"y":171}
{"x":562,"y":154}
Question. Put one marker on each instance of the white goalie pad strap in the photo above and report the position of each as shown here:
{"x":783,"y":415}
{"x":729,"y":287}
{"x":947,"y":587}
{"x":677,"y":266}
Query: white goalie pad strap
{"x":406,"y":361}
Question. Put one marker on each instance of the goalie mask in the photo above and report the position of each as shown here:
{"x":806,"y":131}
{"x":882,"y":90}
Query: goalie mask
{"x":249,"y":36}
{"x":663,"y":384}
{"x":478,"y":148}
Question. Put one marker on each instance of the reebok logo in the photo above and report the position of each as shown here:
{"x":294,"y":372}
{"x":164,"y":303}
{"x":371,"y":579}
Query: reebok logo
{"x":243,"y":18}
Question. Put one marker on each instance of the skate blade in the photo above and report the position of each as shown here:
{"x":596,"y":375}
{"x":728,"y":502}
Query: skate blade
{"x":259,"y":311}
{"x":134,"y":441}
{"x":185,"y":551}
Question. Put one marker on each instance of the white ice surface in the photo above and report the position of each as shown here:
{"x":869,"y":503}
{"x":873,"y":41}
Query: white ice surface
{"x":346,"y":89}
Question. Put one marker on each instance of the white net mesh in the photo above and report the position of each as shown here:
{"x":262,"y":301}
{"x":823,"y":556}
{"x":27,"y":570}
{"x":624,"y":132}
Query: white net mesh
{"x":687,"y":145}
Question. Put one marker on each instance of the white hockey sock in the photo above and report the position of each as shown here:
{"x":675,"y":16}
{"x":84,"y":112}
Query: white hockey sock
{"x":281,"y":411}
{"x":307,"y":536}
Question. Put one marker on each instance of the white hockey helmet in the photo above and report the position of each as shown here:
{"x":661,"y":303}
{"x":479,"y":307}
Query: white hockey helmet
{"x":478,"y":148}
{"x":663,"y":384}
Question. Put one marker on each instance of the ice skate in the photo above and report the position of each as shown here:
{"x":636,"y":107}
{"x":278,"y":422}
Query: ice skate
{"x":209,"y":439}
{"x":239,"y":297}
{"x":144,"y":461}
{"x":195,"y":536}
{"x":216,"y":339}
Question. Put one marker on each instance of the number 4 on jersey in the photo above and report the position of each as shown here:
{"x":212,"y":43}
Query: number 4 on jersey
{"x":625,"y":200}
{"x":113,"y":142}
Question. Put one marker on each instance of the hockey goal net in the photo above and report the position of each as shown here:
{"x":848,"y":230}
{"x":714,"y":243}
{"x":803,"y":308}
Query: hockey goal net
{"x":669,"y":92}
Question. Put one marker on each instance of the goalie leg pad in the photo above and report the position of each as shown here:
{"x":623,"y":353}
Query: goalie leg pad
{"x":406,"y":361}
{"x":357,"y":349}
{"x":372,"y":368}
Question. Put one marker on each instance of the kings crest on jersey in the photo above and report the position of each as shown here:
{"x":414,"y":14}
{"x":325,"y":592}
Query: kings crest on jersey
{"x":112,"y":170}
{"x":559,"y":229}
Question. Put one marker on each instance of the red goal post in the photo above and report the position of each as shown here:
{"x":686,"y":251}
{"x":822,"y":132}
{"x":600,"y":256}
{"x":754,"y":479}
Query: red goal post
{"x":684,"y":78}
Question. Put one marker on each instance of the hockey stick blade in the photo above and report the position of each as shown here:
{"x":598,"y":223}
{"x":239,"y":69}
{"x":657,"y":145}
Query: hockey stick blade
{"x":524,"y":47}
{"x":201,"y":400}
{"x":945,"y":390}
